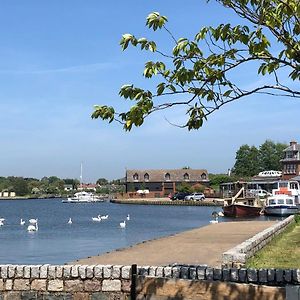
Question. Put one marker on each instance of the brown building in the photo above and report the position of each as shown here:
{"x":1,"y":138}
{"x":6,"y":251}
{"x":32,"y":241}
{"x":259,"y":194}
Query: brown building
{"x":291,"y":161}
{"x":163,"y":182}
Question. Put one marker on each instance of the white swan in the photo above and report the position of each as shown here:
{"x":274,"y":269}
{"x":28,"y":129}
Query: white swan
{"x":70,"y":221}
{"x":22,"y":222}
{"x":123,"y":224}
{"x":104,"y":217}
{"x":33,"y":221}
{"x":128,"y":217}
{"x":1,"y":223}
{"x":215,"y":221}
{"x":33,"y":227}
{"x":96,"y":219}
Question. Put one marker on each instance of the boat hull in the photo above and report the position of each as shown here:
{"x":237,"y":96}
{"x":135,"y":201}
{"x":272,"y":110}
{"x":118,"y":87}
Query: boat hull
{"x":237,"y":210}
{"x":280,"y":210}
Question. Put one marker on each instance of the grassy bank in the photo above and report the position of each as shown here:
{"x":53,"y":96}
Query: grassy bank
{"x":282,"y":252}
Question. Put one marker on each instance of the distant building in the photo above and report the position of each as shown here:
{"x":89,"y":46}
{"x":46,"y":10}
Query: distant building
{"x":163,"y":182}
{"x":68,"y":187}
{"x":291,"y":161}
{"x":87,"y":187}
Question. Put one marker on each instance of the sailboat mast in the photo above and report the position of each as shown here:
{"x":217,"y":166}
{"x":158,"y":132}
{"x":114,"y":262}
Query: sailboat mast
{"x":81,"y":176}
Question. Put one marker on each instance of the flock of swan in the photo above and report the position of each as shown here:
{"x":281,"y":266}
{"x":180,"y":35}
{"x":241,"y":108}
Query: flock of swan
{"x":33,"y":223}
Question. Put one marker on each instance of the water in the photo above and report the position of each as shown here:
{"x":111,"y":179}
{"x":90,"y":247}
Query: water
{"x":57,"y":242}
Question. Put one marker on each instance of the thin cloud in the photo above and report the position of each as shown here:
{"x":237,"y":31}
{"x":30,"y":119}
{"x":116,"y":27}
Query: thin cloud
{"x":71,"y":69}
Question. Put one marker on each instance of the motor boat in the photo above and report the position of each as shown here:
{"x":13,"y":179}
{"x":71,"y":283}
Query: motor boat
{"x":281,"y":205}
{"x":83,"y":197}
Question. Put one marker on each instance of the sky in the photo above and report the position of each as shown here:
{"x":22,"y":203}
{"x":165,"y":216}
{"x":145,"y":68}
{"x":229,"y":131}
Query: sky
{"x":60,"y":58}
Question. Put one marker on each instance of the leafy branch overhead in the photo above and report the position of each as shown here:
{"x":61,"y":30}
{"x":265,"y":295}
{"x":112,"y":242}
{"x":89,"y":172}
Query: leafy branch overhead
{"x":201,"y":74}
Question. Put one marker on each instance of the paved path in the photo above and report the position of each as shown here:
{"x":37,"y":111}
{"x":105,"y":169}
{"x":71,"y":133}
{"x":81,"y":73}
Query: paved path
{"x":203,"y":245}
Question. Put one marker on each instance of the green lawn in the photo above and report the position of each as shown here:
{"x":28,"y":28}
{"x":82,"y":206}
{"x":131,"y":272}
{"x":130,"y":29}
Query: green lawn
{"x":282,"y":252}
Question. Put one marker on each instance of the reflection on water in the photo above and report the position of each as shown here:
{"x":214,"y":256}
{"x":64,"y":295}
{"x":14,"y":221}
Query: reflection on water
{"x":58,"y":242}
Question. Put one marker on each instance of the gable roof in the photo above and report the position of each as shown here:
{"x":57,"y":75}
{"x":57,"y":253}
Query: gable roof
{"x":176,"y":175}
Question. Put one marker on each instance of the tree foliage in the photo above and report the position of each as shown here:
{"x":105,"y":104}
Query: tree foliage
{"x":198,"y":73}
{"x":250,"y":160}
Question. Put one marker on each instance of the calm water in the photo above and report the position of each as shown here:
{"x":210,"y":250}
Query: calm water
{"x":57,"y":242}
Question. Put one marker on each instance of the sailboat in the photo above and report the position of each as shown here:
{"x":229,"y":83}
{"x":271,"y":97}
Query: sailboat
{"x":82,"y":197}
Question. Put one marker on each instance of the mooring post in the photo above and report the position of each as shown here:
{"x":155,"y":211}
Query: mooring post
{"x":133,"y":282}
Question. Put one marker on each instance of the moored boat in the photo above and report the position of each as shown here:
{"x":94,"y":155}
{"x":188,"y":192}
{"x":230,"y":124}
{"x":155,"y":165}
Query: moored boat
{"x":281,"y":205}
{"x":242,"y":207}
{"x":83,"y":197}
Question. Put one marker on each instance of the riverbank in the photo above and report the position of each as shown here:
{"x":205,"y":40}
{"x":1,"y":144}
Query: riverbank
{"x":203,"y":245}
{"x":167,"y":201}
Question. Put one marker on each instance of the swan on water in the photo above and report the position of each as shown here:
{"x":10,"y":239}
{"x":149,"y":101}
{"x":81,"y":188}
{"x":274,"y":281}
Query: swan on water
{"x":70,"y":221}
{"x":22,"y":222}
{"x":97,"y":219}
{"x":1,"y":223}
{"x":104,"y":217}
{"x":33,"y":221}
{"x":123,"y":224}
{"x":216,"y":216}
{"x":33,"y":227}
{"x":128,"y":217}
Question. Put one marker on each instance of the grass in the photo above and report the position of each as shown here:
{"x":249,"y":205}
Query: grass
{"x":282,"y":252}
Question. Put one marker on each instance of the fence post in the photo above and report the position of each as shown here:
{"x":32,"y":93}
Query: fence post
{"x":133,"y":282}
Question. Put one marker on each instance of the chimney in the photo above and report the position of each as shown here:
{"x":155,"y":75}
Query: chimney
{"x":293,"y":144}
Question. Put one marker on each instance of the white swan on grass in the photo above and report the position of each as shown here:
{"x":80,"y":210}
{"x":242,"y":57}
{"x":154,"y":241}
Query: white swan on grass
{"x":123,"y":224}
{"x":97,"y":219}
{"x":70,"y":221}
{"x":22,"y":222}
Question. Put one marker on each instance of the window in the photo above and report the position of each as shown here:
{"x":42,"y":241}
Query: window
{"x":167,"y":176}
{"x":146,"y":177}
{"x":135,"y":176}
{"x":289,"y":201}
{"x":203,"y":176}
{"x":186,"y":176}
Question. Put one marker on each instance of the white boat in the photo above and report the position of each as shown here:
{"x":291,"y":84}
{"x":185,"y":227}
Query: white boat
{"x":281,"y":205}
{"x":83,"y":197}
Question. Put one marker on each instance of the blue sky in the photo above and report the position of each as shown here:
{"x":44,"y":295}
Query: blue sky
{"x":59,"y":58}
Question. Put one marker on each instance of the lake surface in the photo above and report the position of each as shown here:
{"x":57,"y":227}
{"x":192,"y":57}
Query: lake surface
{"x":57,"y":242}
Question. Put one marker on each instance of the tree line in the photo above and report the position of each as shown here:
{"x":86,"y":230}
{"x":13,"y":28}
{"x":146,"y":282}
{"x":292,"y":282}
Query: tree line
{"x":249,"y":160}
{"x":52,"y":185}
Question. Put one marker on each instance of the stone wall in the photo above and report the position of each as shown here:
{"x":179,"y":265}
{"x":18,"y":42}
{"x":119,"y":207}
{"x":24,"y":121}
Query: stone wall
{"x":114,"y":282}
{"x":237,"y":256}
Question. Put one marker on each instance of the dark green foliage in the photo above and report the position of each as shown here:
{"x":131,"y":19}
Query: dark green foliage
{"x":249,"y":161}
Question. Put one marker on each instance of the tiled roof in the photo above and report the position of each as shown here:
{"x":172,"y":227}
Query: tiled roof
{"x":292,"y":148}
{"x":176,"y":175}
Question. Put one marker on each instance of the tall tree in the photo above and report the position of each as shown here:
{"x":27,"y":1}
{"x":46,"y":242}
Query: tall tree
{"x":198,"y":73}
{"x":270,"y":154}
{"x":246,"y":161}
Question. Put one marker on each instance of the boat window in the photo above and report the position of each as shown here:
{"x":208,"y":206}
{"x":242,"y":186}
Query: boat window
{"x":272,"y":202}
{"x":280,"y":201}
{"x":283,"y":184}
{"x":289,"y":201}
{"x":294,"y":185}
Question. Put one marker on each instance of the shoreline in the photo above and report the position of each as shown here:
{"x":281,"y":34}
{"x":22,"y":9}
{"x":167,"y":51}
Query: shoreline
{"x":166,"y":201}
{"x":203,"y":245}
